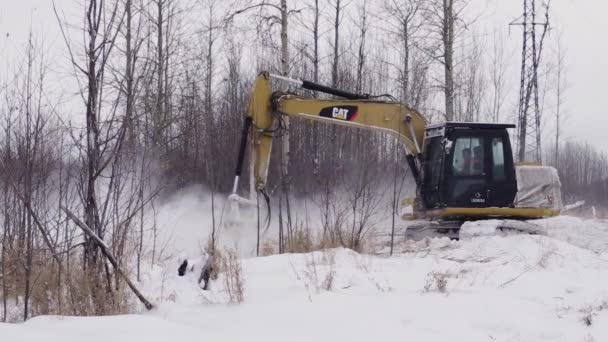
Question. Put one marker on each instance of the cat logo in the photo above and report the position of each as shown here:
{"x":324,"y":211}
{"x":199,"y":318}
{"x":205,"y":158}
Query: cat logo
{"x":339,"y":113}
{"x":346,"y":113}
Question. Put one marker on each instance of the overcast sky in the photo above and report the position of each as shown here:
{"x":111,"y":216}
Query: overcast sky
{"x":584,"y":27}
{"x":583,"y":23}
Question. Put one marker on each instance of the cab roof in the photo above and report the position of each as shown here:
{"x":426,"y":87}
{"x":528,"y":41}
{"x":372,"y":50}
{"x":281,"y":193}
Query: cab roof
{"x":472,"y":125}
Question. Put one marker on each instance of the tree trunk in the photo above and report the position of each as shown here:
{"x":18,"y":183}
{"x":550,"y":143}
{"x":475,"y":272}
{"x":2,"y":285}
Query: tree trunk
{"x":334,"y":66}
{"x":158,"y":111}
{"x":448,"y":51}
{"x":361,"y":54}
{"x":315,"y":32}
{"x":285,"y":148}
{"x":129,"y":75}
{"x":405,"y":83}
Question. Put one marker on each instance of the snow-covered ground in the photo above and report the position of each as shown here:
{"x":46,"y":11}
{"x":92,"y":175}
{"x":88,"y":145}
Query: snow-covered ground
{"x":550,"y":287}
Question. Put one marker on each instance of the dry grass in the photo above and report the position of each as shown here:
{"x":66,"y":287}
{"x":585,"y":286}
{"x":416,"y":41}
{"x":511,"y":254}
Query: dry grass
{"x":268,"y":247}
{"x":300,"y":239}
{"x":229,"y":265}
{"x":59,"y":290}
{"x":320,"y":271}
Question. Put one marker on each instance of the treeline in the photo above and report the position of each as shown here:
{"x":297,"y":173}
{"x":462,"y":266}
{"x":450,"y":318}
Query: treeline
{"x":583,"y":172}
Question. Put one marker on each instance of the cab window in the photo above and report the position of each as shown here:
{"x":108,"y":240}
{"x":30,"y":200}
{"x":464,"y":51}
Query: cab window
{"x":498,"y":160}
{"x":432,"y":165}
{"x":468,"y":157}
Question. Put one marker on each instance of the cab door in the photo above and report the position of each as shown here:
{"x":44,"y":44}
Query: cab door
{"x":480,"y":170}
{"x":467,"y":170}
{"x":432,"y":172}
{"x":502,"y":185}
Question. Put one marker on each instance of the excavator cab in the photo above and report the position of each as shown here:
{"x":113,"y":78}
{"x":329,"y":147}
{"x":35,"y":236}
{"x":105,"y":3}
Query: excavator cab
{"x":467,"y":165}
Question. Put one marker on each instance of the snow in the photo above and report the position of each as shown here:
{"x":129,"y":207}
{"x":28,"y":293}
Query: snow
{"x":479,"y":228}
{"x":575,"y":205}
{"x":512,"y":287}
{"x":588,"y":234}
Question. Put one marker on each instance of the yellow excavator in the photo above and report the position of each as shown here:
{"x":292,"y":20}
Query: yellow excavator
{"x":462,"y":171}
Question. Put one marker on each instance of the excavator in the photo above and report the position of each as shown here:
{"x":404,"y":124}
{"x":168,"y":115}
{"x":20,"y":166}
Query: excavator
{"x":462,"y":171}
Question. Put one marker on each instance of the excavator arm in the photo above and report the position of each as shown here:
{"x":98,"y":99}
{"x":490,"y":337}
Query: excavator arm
{"x":267,"y":110}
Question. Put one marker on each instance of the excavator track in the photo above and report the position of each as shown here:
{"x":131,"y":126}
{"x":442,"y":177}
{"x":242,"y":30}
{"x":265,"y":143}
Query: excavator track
{"x":420,"y":230}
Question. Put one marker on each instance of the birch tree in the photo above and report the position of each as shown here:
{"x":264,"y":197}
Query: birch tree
{"x":445,"y":18}
{"x":279,"y":13}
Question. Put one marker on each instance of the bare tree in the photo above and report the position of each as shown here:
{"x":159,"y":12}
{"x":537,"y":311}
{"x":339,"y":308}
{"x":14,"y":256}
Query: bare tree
{"x":104,"y":135}
{"x":361,"y":55}
{"x":316,"y":35}
{"x":448,"y":56}
{"x":561,"y":86}
{"x":283,"y":18}
{"x":129,"y":81}
{"x":26,"y":161}
{"x":497,"y":69}
{"x":404,"y":26}
{"x":471,"y":83}
{"x":445,"y":18}
{"x":338,"y":7}
{"x":211,"y":31}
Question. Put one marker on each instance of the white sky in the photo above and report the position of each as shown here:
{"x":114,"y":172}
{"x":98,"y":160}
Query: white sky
{"x":584,"y":27}
{"x":582,"y":22}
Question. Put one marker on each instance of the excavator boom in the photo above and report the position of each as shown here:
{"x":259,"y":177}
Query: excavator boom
{"x":267,"y":110}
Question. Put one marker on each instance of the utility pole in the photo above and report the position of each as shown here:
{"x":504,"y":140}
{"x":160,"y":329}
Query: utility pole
{"x":529,"y":134}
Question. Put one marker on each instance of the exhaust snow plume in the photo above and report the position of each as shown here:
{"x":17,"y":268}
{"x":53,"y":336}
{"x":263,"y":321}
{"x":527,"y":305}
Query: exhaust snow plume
{"x":185,"y":224}
{"x":185,"y":220}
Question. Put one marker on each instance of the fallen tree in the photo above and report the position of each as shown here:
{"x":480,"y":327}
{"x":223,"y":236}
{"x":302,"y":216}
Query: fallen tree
{"x":106,"y":252}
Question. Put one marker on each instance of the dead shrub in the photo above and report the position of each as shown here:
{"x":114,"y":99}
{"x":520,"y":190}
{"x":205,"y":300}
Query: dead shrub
{"x":321,"y":270}
{"x":327,"y":241}
{"x":302,"y":240}
{"x":436,"y":282}
{"x":590,"y":311}
{"x":588,"y":319}
{"x":230,"y":266}
{"x":299,"y":240}
{"x":268,"y":248}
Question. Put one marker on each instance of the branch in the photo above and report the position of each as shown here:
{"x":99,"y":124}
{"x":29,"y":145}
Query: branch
{"x":230,"y":17}
{"x":45,"y":237}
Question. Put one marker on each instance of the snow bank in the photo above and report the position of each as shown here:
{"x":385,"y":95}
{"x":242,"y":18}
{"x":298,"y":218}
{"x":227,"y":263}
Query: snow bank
{"x":497,"y":288}
{"x":485,"y":287}
{"x":585,"y":233}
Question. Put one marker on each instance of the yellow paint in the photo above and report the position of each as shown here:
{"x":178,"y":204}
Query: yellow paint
{"x":386,"y":116}
{"x":486,"y":213}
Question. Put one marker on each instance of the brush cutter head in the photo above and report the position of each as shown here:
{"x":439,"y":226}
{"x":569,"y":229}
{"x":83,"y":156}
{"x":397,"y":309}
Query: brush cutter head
{"x":235,"y":204}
